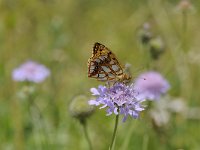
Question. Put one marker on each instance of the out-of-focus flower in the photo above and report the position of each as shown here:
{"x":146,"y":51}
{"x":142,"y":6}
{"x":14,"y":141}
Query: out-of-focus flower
{"x":162,"y":110}
{"x":160,"y":114}
{"x":151,"y":85}
{"x":145,"y":34}
{"x":194,"y":57}
{"x":177,"y":105}
{"x":157,"y":47}
{"x":193,"y":113}
{"x":30,"y":71}
{"x":119,"y":99}
{"x":25,"y":92}
{"x":185,"y":5}
{"x":59,"y":56}
{"x":79,"y":107}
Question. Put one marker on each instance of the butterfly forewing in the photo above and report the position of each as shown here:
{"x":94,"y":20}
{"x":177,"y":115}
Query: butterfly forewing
{"x":103,"y":65}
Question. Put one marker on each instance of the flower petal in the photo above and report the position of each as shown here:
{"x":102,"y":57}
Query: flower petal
{"x":93,"y":102}
{"x":94,"y":91}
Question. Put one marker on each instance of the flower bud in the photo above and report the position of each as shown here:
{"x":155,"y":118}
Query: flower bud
{"x":156,"y":47}
{"x":80,"y":109}
{"x":145,"y":34}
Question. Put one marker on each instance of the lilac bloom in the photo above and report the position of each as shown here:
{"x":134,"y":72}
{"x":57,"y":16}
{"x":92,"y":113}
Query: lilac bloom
{"x":30,"y":71}
{"x":118,"y":99}
{"x":151,"y":85}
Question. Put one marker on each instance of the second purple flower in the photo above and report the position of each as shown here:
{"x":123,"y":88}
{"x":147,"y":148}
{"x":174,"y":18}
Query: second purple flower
{"x":151,"y":85}
{"x":30,"y":71}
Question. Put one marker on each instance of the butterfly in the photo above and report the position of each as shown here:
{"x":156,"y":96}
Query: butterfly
{"x":104,"y":66}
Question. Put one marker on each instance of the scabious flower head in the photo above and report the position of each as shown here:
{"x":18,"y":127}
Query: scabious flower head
{"x":30,"y":71}
{"x":119,"y":99}
{"x":151,"y":85}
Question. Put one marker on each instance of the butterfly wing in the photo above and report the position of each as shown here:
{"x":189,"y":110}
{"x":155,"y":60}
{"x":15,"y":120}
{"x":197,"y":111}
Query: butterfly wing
{"x":103,"y":65}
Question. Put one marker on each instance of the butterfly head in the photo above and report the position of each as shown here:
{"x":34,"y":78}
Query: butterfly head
{"x":125,"y":78}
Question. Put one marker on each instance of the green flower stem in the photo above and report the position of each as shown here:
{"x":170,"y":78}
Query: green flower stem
{"x":184,"y":21}
{"x":145,"y":142}
{"x":128,"y":137}
{"x":114,"y":132}
{"x":184,"y":30}
{"x":83,"y":122}
{"x":146,"y":53}
{"x":32,"y":109}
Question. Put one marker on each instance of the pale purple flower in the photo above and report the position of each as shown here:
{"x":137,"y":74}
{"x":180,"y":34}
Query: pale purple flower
{"x":30,"y":71}
{"x":162,"y":110}
{"x":118,"y":99}
{"x":151,"y":85}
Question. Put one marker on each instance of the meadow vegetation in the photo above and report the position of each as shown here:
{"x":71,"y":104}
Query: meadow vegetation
{"x":60,"y":35}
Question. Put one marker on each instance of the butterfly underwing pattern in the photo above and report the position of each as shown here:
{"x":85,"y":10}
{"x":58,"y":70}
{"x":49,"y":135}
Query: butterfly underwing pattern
{"x":104,"y":66}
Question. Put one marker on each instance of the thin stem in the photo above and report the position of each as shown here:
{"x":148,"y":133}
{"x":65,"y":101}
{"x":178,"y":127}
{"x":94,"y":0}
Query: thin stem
{"x":145,"y":142}
{"x":184,"y":21}
{"x":33,"y":108}
{"x":184,"y":30}
{"x":128,"y":137}
{"x":18,"y":127}
{"x":146,"y":53}
{"x":86,"y":134}
{"x":114,"y":132}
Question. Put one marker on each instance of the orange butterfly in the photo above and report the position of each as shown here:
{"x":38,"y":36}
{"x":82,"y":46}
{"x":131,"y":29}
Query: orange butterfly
{"x":104,"y":66}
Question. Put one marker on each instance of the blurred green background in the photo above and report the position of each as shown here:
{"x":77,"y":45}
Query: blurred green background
{"x":60,"y":34}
